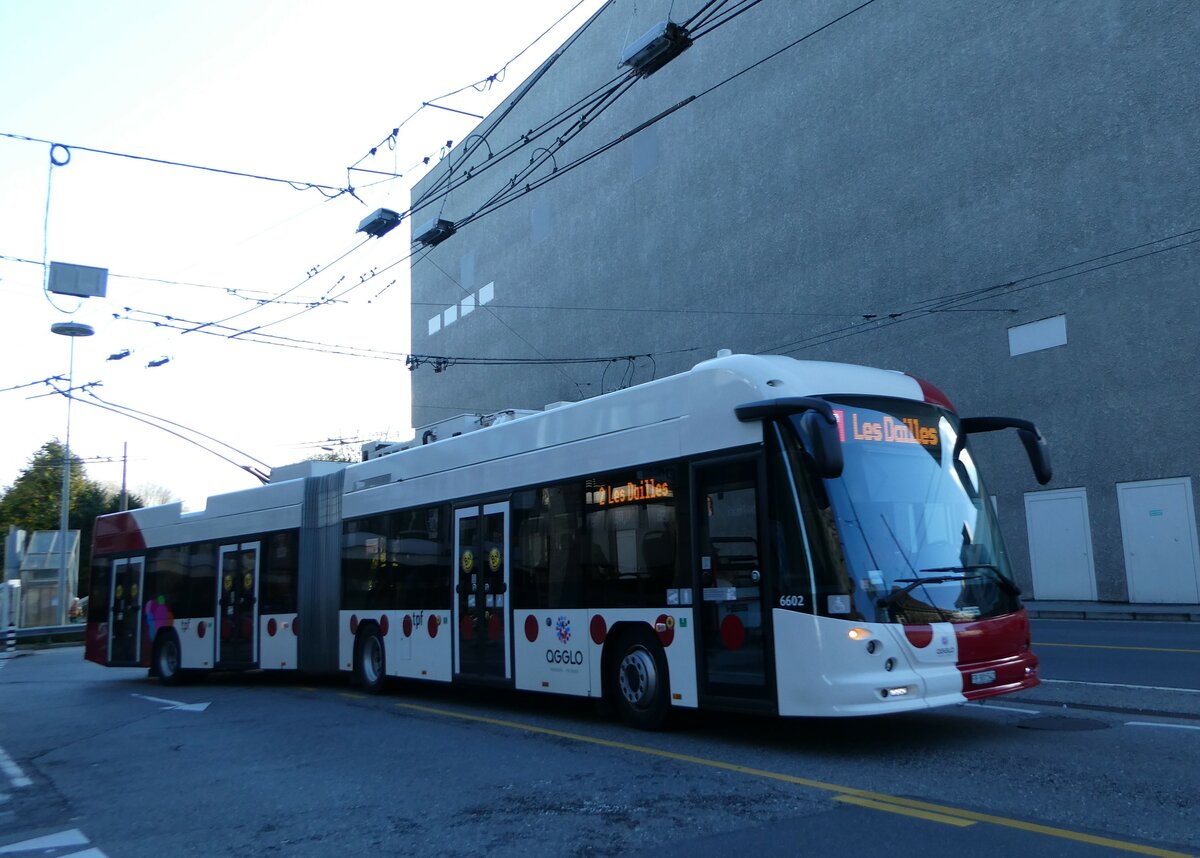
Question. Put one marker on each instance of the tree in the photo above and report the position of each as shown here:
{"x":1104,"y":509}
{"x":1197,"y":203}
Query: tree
{"x":152,"y":494}
{"x":34,"y":501}
{"x":339,"y":455}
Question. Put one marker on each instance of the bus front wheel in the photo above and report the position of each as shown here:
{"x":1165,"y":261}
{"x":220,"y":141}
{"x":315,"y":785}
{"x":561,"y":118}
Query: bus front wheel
{"x":370,"y":666}
{"x":639,"y":681}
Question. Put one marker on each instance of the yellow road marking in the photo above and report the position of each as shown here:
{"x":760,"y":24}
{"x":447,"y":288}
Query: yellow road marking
{"x":905,"y":811}
{"x":1130,"y":648}
{"x":842,"y":791}
{"x":348,"y":695}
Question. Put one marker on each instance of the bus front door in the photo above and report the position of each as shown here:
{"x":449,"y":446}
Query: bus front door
{"x":482,"y":614}
{"x":237,"y":605}
{"x":733,"y":619}
{"x":125,"y":611}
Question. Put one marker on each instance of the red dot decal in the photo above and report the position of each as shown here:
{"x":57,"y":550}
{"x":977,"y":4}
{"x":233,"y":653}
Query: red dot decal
{"x":733,"y":633}
{"x":432,"y":625}
{"x":271,"y":627}
{"x":201,"y":628}
{"x":407,"y":625}
{"x":665,"y":626}
{"x":384,"y":625}
{"x":531,"y":628}
{"x":296,"y":626}
{"x":599,"y":630}
{"x":495,"y":628}
{"x":919,"y":636}
{"x":354,"y":624}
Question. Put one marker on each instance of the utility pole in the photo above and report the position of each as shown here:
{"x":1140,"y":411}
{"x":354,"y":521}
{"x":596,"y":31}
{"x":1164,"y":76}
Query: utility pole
{"x":124,"y":505}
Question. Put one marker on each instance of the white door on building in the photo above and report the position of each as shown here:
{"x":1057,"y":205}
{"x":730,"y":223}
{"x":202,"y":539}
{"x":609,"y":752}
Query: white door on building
{"x":1060,"y":545}
{"x":1158,"y":530}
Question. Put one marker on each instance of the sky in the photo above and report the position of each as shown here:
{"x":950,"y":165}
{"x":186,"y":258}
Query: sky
{"x":281,"y":89}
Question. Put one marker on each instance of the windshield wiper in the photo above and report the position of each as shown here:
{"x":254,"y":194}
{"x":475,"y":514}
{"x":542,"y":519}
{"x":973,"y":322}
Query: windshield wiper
{"x":913,"y":583}
{"x":1005,"y":582}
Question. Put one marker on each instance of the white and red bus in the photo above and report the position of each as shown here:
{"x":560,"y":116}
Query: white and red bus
{"x":757,"y":533}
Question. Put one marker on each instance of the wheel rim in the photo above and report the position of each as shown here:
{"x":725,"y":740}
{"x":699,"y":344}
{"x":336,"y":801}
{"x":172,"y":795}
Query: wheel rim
{"x":638,"y":678}
{"x":372,"y":662}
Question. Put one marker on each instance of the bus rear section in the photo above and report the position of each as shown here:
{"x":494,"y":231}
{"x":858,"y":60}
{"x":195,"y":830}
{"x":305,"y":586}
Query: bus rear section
{"x":177,"y":592}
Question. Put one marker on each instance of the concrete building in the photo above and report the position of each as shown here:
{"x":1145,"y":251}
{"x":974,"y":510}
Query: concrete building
{"x":1001,"y":198}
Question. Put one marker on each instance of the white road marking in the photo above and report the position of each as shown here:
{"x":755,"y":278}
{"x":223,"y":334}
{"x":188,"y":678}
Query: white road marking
{"x":175,"y":704}
{"x":15,"y":776}
{"x":1119,"y":685}
{"x":1155,"y":724}
{"x":70,"y":837}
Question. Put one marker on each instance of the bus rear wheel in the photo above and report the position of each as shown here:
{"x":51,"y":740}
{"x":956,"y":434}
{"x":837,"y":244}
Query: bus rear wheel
{"x":639,"y":681}
{"x":370,"y":665}
{"x":168,"y":658}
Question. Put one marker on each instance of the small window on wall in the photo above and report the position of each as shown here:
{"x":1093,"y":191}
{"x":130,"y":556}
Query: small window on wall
{"x":279,"y":587}
{"x":1037,"y":336}
{"x":629,"y":555}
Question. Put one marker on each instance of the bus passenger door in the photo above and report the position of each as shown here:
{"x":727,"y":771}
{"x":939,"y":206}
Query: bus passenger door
{"x":125,"y":611}
{"x":732,"y":616}
{"x":482,"y":613}
{"x":237,"y":605}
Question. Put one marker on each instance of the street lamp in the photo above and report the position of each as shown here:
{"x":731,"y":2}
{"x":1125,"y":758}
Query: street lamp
{"x":72,"y":330}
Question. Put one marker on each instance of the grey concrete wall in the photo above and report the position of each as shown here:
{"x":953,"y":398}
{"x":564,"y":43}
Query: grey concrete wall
{"x":912,"y":152}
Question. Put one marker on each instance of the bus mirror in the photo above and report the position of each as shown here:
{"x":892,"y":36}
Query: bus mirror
{"x":1038,"y":452}
{"x":1031,"y":438}
{"x":821,"y":435}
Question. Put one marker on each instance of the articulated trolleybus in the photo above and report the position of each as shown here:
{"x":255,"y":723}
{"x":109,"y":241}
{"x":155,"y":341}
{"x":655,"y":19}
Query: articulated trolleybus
{"x":757,"y":533}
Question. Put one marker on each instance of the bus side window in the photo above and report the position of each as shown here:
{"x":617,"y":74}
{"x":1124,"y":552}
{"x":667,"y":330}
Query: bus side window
{"x":530,"y":554}
{"x":202,"y":580}
{"x":278,"y":588}
{"x":788,"y":551}
{"x":834,"y":586}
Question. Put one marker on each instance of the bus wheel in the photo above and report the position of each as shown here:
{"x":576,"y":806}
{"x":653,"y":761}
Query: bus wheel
{"x":167,"y":658}
{"x":640,"y":682}
{"x":369,"y":664}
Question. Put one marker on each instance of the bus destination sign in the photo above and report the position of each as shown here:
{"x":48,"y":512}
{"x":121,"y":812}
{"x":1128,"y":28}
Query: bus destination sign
{"x":884,"y":428}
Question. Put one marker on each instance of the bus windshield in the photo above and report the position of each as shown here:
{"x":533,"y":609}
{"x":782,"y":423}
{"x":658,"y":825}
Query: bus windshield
{"x":917,"y":527}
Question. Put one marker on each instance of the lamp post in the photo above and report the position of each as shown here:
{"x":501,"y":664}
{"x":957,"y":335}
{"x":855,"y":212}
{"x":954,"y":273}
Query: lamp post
{"x":72,"y":330}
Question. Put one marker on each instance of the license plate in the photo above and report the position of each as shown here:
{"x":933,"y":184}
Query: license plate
{"x":984,"y":677}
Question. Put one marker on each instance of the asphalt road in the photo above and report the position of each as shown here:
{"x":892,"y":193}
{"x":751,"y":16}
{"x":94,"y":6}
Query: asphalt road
{"x":1155,"y":654}
{"x":104,"y":763}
